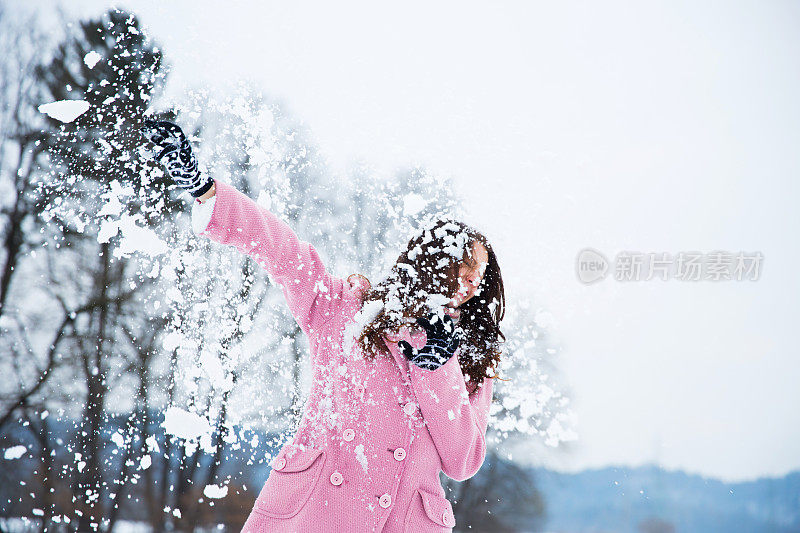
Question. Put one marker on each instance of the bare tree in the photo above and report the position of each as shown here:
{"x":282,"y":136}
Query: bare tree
{"x":21,"y":152}
{"x":88,"y":157}
{"x":24,"y":47}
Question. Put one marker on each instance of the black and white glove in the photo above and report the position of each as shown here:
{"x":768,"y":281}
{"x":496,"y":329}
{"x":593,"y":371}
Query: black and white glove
{"x":175,"y":152}
{"x":443,"y":340}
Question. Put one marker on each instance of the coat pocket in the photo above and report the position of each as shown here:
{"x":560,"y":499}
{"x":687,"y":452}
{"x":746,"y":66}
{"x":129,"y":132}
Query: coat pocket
{"x":429,"y":512}
{"x":290,"y":483}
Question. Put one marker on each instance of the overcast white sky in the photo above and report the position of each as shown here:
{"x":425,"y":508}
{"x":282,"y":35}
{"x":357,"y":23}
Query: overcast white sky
{"x":652,"y":127}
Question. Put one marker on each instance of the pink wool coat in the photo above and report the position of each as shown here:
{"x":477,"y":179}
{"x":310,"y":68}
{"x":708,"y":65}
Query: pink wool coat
{"x":374,"y":434}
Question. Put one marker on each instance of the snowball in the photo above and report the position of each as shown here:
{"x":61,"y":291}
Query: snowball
{"x":137,"y":238}
{"x":91,"y":59}
{"x":214,"y":491}
{"x":134,"y":238}
{"x":152,"y":444}
{"x":15,"y":452}
{"x":118,"y":439}
{"x":65,"y":110}
{"x":184,"y":424}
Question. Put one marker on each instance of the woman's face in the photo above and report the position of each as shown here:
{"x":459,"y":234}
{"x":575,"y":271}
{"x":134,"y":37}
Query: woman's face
{"x":470,"y":274}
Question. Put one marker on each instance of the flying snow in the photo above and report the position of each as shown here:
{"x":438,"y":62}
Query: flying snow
{"x":353,"y":328}
{"x":215,"y":491}
{"x":134,"y":237}
{"x":91,"y":59}
{"x":361,"y":457}
{"x":15,"y":452}
{"x":65,"y":110}
{"x":184,"y":424}
{"x":118,"y":439}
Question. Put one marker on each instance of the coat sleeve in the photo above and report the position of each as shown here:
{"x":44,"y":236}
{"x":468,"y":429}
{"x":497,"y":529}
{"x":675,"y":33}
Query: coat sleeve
{"x":231,"y":218}
{"x":455,"y":419}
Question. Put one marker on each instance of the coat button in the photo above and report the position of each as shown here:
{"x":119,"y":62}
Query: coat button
{"x":336,"y":478}
{"x":399,"y":454}
{"x":280,"y":463}
{"x":385,"y":501}
{"x":447,"y":519}
{"x":410,"y":408}
{"x":348,"y":434}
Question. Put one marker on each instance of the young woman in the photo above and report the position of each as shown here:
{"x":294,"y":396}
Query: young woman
{"x":401,"y":386}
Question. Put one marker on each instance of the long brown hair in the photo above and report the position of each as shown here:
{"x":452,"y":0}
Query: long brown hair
{"x":427,"y":273}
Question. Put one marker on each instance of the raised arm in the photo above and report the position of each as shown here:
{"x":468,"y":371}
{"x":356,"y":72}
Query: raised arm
{"x":455,"y":419}
{"x":227,"y":216}
{"x":230,"y":217}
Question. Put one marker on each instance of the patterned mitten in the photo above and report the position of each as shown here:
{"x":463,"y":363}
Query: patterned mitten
{"x":443,"y":340}
{"x":176,"y":154}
